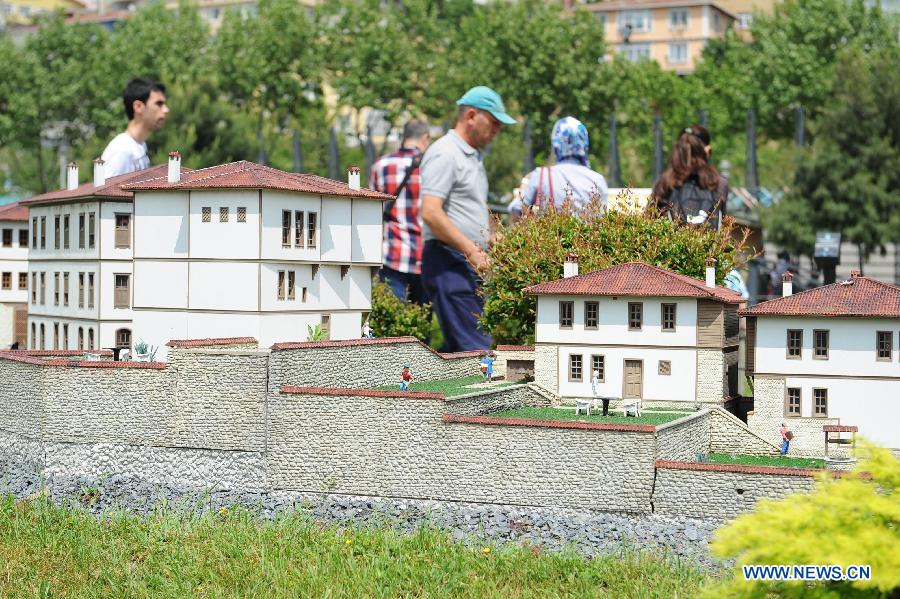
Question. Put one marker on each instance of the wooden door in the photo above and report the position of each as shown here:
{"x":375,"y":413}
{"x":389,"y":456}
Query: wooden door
{"x":633,"y":378}
{"x":20,"y":329}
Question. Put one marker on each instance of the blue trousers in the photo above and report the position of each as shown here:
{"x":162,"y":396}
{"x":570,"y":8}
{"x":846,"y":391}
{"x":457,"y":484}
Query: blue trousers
{"x":405,"y":285}
{"x":785,"y":444}
{"x":454,"y":289}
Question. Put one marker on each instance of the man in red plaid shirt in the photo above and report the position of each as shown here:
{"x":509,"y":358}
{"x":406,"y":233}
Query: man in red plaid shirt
{"x":402,"y":249}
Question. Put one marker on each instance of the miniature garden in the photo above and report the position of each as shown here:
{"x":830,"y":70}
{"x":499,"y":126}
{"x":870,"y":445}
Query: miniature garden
{"x":761,"y":460}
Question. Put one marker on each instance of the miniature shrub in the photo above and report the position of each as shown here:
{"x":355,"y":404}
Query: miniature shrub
{"x":315,"y":333}
{"x":533,"y":250}
{"x":391,"y":317}
{"x":852,"y":520}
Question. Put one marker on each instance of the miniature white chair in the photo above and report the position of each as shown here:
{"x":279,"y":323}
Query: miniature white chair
{"x":584,"y":403}
{"x":633,"y":407}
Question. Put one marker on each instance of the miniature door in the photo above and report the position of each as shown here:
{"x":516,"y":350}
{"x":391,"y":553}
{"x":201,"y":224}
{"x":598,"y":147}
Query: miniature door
{"x":633,"y":377}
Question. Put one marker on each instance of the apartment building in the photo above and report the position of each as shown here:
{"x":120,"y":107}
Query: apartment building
{"x":80,"y":263}
{"x":24,"y":12}
{"x":13,"y":275}
{"x":245,"y":250}
{"x":671,"y":32}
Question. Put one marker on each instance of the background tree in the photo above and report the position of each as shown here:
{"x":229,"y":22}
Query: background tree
{"x":849,"y":180}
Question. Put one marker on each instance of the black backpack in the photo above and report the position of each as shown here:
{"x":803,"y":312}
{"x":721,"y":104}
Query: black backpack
{"x":693,"y":205}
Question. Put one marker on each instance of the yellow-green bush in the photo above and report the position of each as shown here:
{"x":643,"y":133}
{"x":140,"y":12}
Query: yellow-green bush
{"x":851,"y":520}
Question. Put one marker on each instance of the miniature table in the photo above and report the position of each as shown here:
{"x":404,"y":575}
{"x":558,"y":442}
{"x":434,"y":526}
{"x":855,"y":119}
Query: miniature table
{"x":838,"y":429}
{"x":586,"y":403}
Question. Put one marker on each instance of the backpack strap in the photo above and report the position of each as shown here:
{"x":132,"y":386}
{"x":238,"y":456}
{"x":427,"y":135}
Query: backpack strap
{"x":389,"y":205}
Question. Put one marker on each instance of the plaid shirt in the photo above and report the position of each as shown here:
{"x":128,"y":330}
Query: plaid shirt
{"x":402,"y":248}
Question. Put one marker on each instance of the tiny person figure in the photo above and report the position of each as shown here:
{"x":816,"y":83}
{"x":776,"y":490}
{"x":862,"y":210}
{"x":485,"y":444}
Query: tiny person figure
{"x":487,"y":366}
{"x":367,"y":331}
{"x":406,"y":378}
{"x":785,"y":438}
{"x":595,"y":389}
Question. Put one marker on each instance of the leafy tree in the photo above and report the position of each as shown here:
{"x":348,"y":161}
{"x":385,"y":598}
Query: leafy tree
{"x":845,"y":521}
{"x":849,"y":180}
{"x":392,"y":318}
{"x":533,"y":251}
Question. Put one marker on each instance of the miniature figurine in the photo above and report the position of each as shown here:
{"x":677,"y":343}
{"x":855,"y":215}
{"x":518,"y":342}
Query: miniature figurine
{"x":595,"y":389}
{"x":786,"y":437}
{"x":487,"y":365}
{"x":367,"y":331}
{"x":406,"y":378}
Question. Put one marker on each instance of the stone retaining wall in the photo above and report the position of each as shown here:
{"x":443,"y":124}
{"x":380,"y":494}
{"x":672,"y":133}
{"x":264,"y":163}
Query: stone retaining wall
{"x":730,"y":435}
{"x":684,"y":438}
{"x":722,"y":490}
{"x":486,"y":402}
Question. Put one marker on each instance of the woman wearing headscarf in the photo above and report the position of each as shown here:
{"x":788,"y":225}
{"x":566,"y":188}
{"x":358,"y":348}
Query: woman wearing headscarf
{"x":571,"y":177}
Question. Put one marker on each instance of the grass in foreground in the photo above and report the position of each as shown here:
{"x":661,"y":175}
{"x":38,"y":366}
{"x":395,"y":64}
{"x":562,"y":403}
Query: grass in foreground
{"x":451,"y":387}
{"x":47,"y":551}
{"x":762,"y":460}
{"x":564,"y":414}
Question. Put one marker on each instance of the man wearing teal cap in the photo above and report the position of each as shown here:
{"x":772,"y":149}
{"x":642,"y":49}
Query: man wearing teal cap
{"x":456,"y":222}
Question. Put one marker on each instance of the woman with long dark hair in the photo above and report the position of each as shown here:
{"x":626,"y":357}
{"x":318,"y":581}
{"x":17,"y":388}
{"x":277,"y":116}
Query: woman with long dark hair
{"x":691,"y":190}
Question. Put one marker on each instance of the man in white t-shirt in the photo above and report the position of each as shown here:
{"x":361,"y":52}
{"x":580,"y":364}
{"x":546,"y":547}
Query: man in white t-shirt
{"x":146,"y":108}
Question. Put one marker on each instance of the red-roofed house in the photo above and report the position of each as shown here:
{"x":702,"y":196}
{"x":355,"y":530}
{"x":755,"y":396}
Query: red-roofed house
{"x":244,"y":250}
{"x":13,"y":275}
{"x":80,"y":262}
{"x":826,"y":356}
{"x":652,"y":334}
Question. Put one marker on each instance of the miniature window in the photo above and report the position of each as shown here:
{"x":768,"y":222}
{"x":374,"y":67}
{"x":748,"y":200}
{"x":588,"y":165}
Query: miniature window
{"x":81,"y":230}
{"x":90,"y":338}
{"x":43,"y":288}
{"x":223,"y":214}
{"x":280,"y":284}
{"x":292,"y":281}
{"x":55,"y":335}
{"x":43,"y":337}
{"x":820,"y":403}
{"x":311,"y":224}
{"x":23,"y":281}
{"x":80,"y":337}
{"x":345,"y":269}
{"x":598,"y":365}
{"x":90,"y":292}
{"x":34,"y":231}
{"x":23,"y":238}
{"x":122,"y":291}
{"x":668,"y":316}
{"x":635,"y":316}
{"x":56,"y":232}
{"x":794,"y":343}
{"x":123,"y":338}
{"x":665,"y":367}
{"x":303,"y":295}
{"x":820,"y":341}
{"x":80,"y":291}
{"x":65,"y":289}
{"x":326,"y":325}
{"x":43,"y":232}
{"x":34,"y":288}
{"x":575,"y":368}
{"x":56,"y":289}
{"x":7,"y":238}
{"x":299,"y":228}
{"x":242,"y":214}
{"x":884,"y":344}
{"x":591,"y":315}
{"x":91,"y":226}
{"x":123,"y":231}
{"x":33,"y":335}
{"x":66,"y":232}
{"x":7,"y":280}
{"x":565,"y":314}
{"x":793,"y":402}
{"x":315,"y":270}
{"x":286,"y":228}
{"x":206,"y":214}
{"x":65,"y":342}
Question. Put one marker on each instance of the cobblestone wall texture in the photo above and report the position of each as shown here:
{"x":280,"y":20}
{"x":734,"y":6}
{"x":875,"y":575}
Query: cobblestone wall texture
{"x":710,"y":374}
{"x":730,"y":435}
{"x":504,"y":355}
{"x":768,"y":414}
{"x":506,"y":398}
{"x":683,"y":439}
{"x":364,"y":366}
{"x":710,"y":494}
{"x":546,"y":367}
{"x":606,"y":470}
{"x":22,"y":398}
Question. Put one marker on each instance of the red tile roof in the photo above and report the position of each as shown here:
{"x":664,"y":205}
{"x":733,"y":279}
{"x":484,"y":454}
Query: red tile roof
{"x":858,"y":297}
{"x":16,"y":212}
{"x":111,"y":189}
{"x":249,"y":175}
{"x":635,"y":279}
{"x":211,"y":342}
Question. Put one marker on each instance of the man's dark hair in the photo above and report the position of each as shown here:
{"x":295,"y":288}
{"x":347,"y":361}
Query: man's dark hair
{"x":414,"y":129}
{"x":139,"y":89}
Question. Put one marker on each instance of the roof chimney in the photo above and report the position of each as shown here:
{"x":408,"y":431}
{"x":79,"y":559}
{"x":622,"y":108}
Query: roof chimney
{"x":855,"y":274}
{"x":570,"y":267}
{"x":72,"y":176}
{"x":353,"y":177}
{"x":787,"y":284}
{"x":174,"y":167}
{"x":711,"y":272}
{"x":99,"y":173}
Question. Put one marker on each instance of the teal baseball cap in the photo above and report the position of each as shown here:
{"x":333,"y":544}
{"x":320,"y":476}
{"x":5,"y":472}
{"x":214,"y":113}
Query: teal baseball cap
{"x":484,"y":98}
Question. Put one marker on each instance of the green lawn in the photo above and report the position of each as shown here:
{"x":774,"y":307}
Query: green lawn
{"x":564,"y":414}
{"x":451,"y":387}
{"x":49,"y":551}
{"x":757,"y":460}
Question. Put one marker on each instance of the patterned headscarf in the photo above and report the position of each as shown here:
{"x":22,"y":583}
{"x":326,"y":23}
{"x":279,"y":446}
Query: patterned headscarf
{"x":570,"y":140}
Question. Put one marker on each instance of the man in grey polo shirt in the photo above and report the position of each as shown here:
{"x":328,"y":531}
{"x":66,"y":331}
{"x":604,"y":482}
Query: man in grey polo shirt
{"x":456,"y":222}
